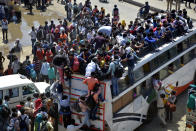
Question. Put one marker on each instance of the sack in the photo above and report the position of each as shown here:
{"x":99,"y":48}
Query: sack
{"x":44,"y":126}
{"x":118,"y":71}
{"x":76,"y":106}
{"x":172,"y":107}
{"x":90,"y":102}
{"x":39,"y":118}
{"x":76,"y":64}
{"x":22,"y":123}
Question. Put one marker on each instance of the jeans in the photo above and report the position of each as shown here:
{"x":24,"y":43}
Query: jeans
{"x":33,"y":44}
{"x":4,"y":31}
{"x":51,"y":81}
{"x":86,"y":118}
{"x":153,"y":46}
{"x":115,"y":86}
{"x":93,"y":112}
{"x":131,"y":75}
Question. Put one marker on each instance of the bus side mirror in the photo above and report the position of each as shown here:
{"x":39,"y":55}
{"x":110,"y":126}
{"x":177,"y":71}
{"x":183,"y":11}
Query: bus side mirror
{"x":176,"y":83}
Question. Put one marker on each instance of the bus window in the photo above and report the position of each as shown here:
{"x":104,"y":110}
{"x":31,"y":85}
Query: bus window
{"x":14,"y":92}
{"x":138,"y":74}
{"x":1,"y":94}
{"x":154,"y":64}
{"x":171,"y":68}
{"x":185,"y":44}
{"x":192,"y":39}
{"x":163,"y":73}
{"x":186,"y":57}
{"x":163,"y":58}
{"x":173,"y":52}
{"x":176,"y":64}
{"x":146,"y":68}
{"x":179,"y":48}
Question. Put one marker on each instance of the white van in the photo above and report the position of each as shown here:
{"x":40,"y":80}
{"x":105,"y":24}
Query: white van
{"x":18,"y":88}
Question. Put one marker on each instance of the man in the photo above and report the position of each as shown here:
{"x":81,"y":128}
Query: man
{"x":51,"y":74}
{"x":4,"y":25}
{"x":3,"y":116}
{"x":169,"y":5}
{"x":131,"y":60}
{"x":92,"y":67}
{"x":99,"y":41}
{"x":90,"y":82}
{"x":31,"y":7}
{"x":15,"y":66}
{"x":24,"y":120}
{"x":145,"y":9}
{"x":161,"y":109}
{"x":33,"y":35}
{"x":44,"y":71}
{"x":18,"y":49}
{"x":111,"y":71}
{"x":178,"y":5}
{"x":65,"y":109}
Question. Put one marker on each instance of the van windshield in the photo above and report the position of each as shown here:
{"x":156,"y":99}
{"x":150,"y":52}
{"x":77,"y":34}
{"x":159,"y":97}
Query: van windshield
{"x":29,"y":89}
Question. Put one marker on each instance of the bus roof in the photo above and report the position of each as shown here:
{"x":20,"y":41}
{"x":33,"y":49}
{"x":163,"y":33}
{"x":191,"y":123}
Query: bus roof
{"x":163,"y":48}
{"x":12,"y":80}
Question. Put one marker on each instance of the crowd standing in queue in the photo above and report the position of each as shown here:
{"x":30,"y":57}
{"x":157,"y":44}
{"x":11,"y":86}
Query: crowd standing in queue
{"x":91,"y":43}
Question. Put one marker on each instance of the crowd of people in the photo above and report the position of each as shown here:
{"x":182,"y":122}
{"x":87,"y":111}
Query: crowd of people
{"x":91,"y":43}
{"x":36,"y":114}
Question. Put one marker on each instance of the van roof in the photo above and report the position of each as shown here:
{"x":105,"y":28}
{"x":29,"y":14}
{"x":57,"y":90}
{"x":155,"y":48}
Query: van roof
{"x":12,"y":80}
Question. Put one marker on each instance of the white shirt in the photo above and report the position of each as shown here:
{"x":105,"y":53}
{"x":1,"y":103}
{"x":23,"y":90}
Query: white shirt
{"x":44,"y":69}
{"x":15,"y":66}
{"x":91,"y":67}
{"x":29,"y":104}
{"x":33,"y":35}
{"x":4,"y":24}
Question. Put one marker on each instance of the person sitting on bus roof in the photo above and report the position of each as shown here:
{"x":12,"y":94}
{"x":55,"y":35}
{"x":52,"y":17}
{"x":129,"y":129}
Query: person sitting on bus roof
{"x":151,"y":42}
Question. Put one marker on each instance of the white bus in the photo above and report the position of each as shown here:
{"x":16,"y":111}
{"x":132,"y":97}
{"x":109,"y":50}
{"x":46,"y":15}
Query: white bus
{"x":174,"y":63}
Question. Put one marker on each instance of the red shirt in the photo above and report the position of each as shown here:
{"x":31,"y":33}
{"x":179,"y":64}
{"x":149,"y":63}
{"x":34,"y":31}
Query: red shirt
{"x":49,"y":56}
{"x":40,"y":54}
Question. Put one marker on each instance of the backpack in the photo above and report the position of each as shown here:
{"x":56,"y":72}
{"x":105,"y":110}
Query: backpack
{"x":76,"y":64}
{"x":116,"y":12}
{"x":118,"y":71}
{"x":90,"y":102}
{"x":22,"y":123}
{"x":39,"y":118}
{"x":77,"y":106}
{"x":44,"y":126}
